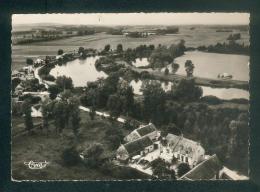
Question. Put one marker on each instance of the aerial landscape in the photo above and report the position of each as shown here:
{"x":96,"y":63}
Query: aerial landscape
{"x":110,"y":97}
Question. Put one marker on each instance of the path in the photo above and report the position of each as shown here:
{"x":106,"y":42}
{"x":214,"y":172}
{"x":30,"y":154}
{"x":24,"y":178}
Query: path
{"x":102,"y":114}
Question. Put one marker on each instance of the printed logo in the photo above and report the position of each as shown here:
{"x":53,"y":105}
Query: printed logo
{"x":36,"y":165}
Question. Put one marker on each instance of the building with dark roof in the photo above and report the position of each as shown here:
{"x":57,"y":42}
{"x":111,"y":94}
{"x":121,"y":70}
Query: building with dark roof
{"x":146,"y":130}
{"x":140,"y":146}
{"x":209,"y":169}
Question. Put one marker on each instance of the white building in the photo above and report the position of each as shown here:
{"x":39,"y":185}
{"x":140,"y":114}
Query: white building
{"x":36,"y":110}
{"x":185,"y":150}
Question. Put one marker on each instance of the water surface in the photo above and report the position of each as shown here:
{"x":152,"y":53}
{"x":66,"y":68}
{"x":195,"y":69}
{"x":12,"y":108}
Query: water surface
{"x":81,"y":71}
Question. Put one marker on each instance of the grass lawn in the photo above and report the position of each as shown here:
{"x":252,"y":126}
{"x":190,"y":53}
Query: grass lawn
{"x":18,"y":124}
{"x":39,"y":147}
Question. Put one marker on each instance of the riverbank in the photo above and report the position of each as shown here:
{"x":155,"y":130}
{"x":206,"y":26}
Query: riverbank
{"x":214,"y":83}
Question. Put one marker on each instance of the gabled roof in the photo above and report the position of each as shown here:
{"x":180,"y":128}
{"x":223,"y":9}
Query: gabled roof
{"x":182,"y":144}
{"x":138,"y":145}
{"x":142,"y":131}
{"x":205,"y":170}
{"x":37,"y":106}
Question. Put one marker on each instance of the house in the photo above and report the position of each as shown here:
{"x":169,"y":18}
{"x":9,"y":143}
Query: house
{"x":146,"y":130}
{"x":210,"y":169}
{"x":39,"y":62}
{"x":140,"y":146}
{"x":18,"y":74}
{"x":28,"y":69}
{"x":185,"y":150}
{"x":43,"y":95}
{"x":18,"y":89}
{"x":36,"y":110}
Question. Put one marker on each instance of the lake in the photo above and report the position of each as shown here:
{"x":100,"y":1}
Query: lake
{"x":222,"y":93}
{"x":209,"y":65}
{"x":81,"y":71}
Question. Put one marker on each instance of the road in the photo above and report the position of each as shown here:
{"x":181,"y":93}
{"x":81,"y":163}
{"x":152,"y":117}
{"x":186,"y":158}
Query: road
{"x":102,"y":114}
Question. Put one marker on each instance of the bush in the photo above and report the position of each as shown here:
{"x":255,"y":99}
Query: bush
{"x":48,"y":77}
{"x":29,"y":61}
{"x":239,"y":101}
{"x":145,"y":75}
{"x":183,"y":168}
{"x":70,"y":157}
{"x":60,"y":52}
{"x":213,"y":100}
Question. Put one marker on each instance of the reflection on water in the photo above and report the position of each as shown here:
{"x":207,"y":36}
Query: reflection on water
{"x":224,"y":93}
{"x":209,"y":65}
{"x":81,"y":71}
{"x":221,"y":93}
{"x":141,"y":62}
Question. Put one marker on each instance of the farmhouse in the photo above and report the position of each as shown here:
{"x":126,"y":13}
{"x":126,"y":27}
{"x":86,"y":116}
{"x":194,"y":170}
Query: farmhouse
{"x":210,"y":169}
{"x":146,"y":130}
{"x":140,"y":146}
{"x":185,"y":150}
{"x":36,"y":110}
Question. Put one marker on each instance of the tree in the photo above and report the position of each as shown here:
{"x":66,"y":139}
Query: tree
{"x":175,"y":67}
{"x":28,"y":122}
{"x":29,"y":61}
{"x":161,"y":169}
{"x":170,"y":128}
{"x":74,"y":113}
{"x":166,"y":71}
{"x":64,"y":82}
{"x":119,"y":48}
{"x":75,"y":121}
{"x":182,"y":169}
{"x":81,"y":50}
{"x":114,"y":105}
{"x":31,"y":85}
{"x":189,"y":68}
{"x":186,"y":90}
{"x":70,"y":156}
{"x":114,"y":136}
{"x":59,"y":113}
{"x":54,"y":90}
{"x":92,"y":113}
{"x":107,"y":48}
{"x":60,"y":52}
{"x":154,"y":101}
{"x":93,"y":155}
{"x":46,"y":111}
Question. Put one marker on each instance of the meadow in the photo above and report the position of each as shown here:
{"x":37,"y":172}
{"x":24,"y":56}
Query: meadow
{"x":200,"y":35}
{"x":40,"y":147}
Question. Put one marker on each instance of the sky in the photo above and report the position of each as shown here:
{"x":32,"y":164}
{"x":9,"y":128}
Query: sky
{"x":135,"y":18}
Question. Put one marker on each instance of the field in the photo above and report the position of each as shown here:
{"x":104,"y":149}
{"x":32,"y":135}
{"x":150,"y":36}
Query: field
{"x":201,"y":35}
{"x":40,"y":147}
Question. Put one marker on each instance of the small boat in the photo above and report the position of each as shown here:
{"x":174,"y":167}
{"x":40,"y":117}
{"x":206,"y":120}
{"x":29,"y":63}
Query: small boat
{"x":225,"y":76}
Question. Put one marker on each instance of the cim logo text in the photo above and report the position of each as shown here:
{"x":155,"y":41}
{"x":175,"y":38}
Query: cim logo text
{"x":36,"y":165}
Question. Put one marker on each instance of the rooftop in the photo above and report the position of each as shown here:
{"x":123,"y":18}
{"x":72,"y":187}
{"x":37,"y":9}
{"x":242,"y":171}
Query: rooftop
{"x":206,"y":170}
{"x":184,"y":145}
{"x":138,"y":145}
{"x":142,"y":131}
